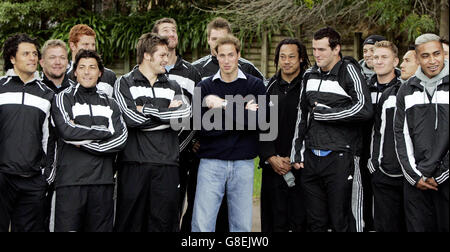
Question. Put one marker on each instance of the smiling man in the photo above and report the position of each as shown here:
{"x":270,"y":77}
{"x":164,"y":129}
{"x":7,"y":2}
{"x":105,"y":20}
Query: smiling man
{"x":24,"y":121}
{"x":367,"y":61}
{"x":387,"y":177}
{"x":187,"y":77}
{"x":148,"y":179}
{"x":422,"y":139}
{"x":92,"y":130}
{"x":82,"y":36}
{"x":282,"y":203}
{"x":54,"y":65}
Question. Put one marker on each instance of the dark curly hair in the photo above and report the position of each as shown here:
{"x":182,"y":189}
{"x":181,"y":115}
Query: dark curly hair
{"x":83,"y":54}
{"x":11,"y":46}
{"x":302,"y":53}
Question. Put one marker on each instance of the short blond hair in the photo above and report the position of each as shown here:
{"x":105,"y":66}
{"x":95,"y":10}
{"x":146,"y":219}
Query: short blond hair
{"x":388,"y":45}
{"x":162,"y":21}
{"x":228,"y":39}
{"x":53,"y":43}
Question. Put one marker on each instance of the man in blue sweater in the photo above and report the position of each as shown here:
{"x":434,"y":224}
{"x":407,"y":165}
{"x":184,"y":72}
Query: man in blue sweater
{"x":229,"y":147}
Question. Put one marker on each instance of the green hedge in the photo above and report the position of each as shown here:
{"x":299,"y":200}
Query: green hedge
{"x":117,"y":35}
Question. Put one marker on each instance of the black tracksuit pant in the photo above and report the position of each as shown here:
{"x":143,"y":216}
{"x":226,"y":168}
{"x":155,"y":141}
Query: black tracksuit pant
{"x":427,"y":211}
{"x":282,"y":208}
{"x":327,"y":183}
{"x":147,"y":198}
{"x":191,"y":184}
{"x":84,"y":208}
{"x":366,"y":177}
{"x":22,"y":203}
{"x":48,"y":206}
{"x":368,"y":195}
{"x":389,"y":212}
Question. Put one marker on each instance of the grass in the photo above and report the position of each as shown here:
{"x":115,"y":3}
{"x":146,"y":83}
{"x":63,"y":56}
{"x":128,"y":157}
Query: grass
{"x":257,"y":180}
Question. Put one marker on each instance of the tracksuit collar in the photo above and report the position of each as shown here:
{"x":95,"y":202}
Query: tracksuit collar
{"x":12,"y":73}
{"x":137,"y":75}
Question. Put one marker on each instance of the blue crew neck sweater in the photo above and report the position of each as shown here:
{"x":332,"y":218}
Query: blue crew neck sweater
{"x":230,"y":144}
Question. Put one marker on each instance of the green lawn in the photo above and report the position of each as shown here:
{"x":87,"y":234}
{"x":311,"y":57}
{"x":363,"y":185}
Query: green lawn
{"x":257,"y":180}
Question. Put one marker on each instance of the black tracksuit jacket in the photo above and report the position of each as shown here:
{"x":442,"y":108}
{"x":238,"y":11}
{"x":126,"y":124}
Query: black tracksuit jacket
{"x":335,"y":122}
{"x":209,"y":66}
{"x":54,"y":140}
{"x":288,"y":99}
{"x":24,"y":125}
{"x":105,"y":84}
{"x":367,"y":127}
{"x":187,"y":76}
{"x":383,"y":156}
{"x":88,"y":119}
{"x":151,"y":140}
{"x":421,"y":131}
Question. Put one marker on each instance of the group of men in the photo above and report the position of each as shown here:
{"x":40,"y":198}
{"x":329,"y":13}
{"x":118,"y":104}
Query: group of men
{"x":76,"y":136}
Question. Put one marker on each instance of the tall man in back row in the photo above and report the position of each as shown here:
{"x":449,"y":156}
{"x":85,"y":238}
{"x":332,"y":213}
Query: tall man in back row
{"x":82,"y":36}
{"x":367,"y":62}
{"x":334,"y":99}
{"x":208,"y":65}
{"x":187,"y":77}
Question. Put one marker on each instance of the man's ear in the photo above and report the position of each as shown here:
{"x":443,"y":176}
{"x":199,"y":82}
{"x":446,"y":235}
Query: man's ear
{"x":337,"y":49}
{"x":396,"y":61}
{"x":147,"y":56}
{"x":72,"y":46}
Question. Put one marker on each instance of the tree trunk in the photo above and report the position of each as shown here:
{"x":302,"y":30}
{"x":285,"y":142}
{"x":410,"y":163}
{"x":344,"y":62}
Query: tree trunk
{"x":87,"y":5}
{"x":443,"y":27}
{"x":357,"y":51}
{"x":264,"y":53}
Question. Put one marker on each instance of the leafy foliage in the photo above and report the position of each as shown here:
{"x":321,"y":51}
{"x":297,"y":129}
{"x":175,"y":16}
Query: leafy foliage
{"x":399,"y":16}
{"x":97,"y":23}
{"x":32,"y":17}
{"x":117,"y":36}
{"x":118,"y":30}
{"x":416,"y":25}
